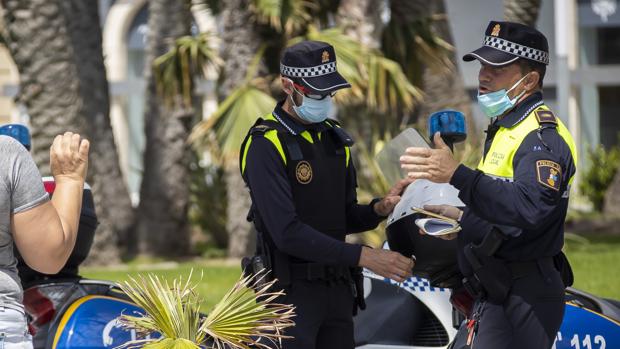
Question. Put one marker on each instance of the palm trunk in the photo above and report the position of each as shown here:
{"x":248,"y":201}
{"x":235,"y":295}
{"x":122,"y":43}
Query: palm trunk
{"x":361,"y":19}
{"x":522,"y":11}
{"x":57,"y":48}
{"x":163,"y":227}
{"x":240,"y":44}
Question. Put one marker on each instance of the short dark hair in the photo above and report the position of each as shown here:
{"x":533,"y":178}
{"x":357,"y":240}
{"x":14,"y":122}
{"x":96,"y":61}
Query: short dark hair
{"x":527,"y":66}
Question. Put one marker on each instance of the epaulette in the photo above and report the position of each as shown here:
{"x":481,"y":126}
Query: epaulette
{"x":545,"y":117}
{"x":259,"y":129}
{"x":262,"y":126}
{"x":342,"y":137}
{"x":333,"y":122}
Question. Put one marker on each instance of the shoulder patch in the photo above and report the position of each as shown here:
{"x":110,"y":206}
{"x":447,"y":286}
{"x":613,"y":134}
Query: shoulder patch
{"x":549,"y":174}
{"x":545,"y":117}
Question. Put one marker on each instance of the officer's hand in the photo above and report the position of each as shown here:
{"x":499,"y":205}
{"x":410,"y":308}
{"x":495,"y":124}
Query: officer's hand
{"x":446,"y":211}
{"x":387,"y":204}
{"x":437,"y":165}
{"x":386,"y":263}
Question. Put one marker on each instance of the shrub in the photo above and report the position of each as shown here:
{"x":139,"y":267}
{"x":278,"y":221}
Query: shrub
{"x":602,"y":166}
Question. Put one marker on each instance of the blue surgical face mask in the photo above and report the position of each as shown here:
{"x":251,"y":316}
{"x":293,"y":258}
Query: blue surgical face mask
{"x":497,"y":103}
{"x":312,"y":110}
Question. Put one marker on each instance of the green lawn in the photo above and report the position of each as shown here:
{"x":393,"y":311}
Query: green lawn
{"x":594,"y":259}
{"x":214,"y":278}
{"x":595,"y":264}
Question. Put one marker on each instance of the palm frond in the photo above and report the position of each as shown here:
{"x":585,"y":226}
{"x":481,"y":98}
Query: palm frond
{"x":224,"y":130}
{"x":175,"y":70}
{"x":413,"y":43}
{"x":171,"y":310}
{"x":244,"y":317}
{"x":232,"y":120}
{"x":248,"y":312}
{"x":285,"y":16}
{"x":375,"y":80}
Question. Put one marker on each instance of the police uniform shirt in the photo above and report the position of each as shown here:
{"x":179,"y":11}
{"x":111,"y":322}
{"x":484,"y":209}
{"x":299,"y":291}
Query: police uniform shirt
{"x":530,"y":209}
{"x":272,"y":196}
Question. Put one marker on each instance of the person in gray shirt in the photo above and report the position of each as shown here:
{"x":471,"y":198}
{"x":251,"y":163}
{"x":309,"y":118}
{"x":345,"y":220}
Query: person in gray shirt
{"x":43,"y":230}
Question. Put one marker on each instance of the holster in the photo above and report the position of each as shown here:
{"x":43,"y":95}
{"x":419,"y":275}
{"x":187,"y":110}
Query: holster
{"x":256,"y":264}
{"x":267,"y":256}
{"x":492,"y":277}
{"x":357,"y":288}
{"x":562,"y":264}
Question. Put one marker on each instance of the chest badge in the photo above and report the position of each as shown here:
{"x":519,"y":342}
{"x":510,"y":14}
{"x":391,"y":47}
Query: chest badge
{"x":303,"y":172}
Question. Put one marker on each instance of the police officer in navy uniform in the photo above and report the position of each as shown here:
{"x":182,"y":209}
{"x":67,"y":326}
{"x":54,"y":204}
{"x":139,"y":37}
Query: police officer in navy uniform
{"x":298,"y":167}
{"x":509,"y":249}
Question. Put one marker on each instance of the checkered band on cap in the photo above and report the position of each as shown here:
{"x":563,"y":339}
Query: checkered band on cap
{"x":308,"y":72}
{"x":516,"y":49}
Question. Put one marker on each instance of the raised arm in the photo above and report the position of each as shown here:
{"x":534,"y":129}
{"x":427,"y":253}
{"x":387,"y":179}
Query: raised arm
{"x":45,"y":234}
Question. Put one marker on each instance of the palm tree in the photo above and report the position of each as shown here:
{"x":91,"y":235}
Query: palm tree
{"x":522,"y":11}
{"x":240,"y":43}
{"x":162,"y":227}
{"x":57,"y":48}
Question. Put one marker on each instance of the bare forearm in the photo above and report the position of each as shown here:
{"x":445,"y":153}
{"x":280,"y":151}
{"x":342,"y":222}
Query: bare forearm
{"x":67,"y":201}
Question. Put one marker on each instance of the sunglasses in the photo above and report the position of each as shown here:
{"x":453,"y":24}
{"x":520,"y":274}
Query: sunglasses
{"x":302,"y":90}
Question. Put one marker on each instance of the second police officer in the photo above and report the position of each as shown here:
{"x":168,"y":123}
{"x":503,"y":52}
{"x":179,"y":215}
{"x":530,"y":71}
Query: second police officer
{"x":512,"y":234}
{"x":297,"y":165}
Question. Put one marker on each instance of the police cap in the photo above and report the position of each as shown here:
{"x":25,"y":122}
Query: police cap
{"x":505,"y":42}
{"x":312,"y":64}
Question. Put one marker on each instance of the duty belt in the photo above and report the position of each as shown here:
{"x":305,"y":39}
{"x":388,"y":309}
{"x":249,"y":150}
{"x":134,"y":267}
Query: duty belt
{"x":517,"y":271}
{"x":317,"y":271}
{"x":521,"y":269}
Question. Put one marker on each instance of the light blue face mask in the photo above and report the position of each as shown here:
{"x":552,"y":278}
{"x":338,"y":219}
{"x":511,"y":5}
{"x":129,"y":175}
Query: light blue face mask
{"x":312,"y":110}
{"x":497,"y":103}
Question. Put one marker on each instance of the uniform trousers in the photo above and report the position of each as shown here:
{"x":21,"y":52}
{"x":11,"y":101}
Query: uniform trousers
{"x":324,"y":315}
{"x":530,"y":317}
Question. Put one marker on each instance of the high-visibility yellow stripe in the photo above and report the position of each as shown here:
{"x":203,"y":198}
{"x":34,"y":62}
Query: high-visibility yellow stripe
{"x":498,"y":160}
{"x":245,"y":154}
{"x":273,"y":137}
{"x":307,"y":136}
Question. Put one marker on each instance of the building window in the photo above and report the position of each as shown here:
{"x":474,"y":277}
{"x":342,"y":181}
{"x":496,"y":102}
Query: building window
{"x":610,"y":115}
{"x":608,"y":45}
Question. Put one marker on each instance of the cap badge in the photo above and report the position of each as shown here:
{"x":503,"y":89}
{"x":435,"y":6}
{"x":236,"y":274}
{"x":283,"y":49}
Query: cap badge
{"x":303,"y":172}
{"x":495,"y":31}
{"x":325,"y":57}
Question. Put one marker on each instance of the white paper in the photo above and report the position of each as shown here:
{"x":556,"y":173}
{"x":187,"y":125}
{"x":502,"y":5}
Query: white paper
{"x":435,"y":227}
{"x":423,"y":192}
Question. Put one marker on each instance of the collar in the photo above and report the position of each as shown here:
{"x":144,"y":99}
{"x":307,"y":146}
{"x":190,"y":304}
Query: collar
{"x":293,"y":126}
{"x":521,"y":111}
